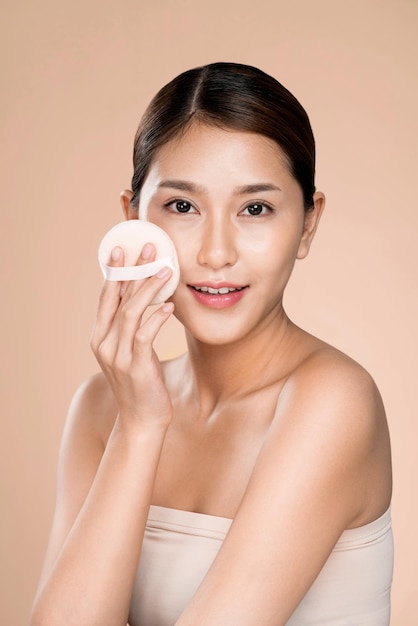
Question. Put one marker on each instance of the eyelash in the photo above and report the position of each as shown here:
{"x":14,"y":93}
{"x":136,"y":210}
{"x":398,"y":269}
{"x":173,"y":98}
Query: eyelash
{"x":170,"y":204}
{"x":263,"y":205}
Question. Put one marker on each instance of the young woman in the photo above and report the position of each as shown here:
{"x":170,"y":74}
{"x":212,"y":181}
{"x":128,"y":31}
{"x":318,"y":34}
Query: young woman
{"x":248,"y":482}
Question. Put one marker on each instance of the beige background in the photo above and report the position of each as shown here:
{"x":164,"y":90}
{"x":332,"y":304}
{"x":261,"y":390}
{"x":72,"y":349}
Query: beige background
{"x":76,"y":76}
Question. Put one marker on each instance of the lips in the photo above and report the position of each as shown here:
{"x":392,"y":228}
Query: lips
{"x":218,"y":295}
{"x":214,"y":291}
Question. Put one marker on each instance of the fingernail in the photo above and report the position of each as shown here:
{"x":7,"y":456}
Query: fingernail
{"x":115,"y":254}
{"x":168,"y":307}
{"x":146,"y":251}
{"x":163,"y":272}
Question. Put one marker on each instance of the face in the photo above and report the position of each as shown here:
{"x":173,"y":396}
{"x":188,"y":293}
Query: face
{"x":236,"y":216}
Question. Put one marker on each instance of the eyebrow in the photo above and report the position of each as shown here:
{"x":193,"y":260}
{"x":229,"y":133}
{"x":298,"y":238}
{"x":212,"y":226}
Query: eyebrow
{"x":256,"y":188}
{"x":184,"y":185}
{"x":181,"y":185}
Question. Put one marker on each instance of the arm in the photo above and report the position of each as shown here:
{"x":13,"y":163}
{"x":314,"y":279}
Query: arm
{"x":104,"y":490}
{"x":317,"y":474}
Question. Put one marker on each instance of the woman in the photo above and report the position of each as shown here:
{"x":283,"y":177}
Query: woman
{"x":247,"y":482}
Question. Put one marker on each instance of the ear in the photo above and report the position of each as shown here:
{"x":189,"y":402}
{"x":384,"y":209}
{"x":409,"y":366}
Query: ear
{"x":312,"y":218}
{"x":130,"y":212}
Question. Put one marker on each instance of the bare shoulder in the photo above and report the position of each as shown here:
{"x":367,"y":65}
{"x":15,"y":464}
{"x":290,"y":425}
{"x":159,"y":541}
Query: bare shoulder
{"x":331,"y":414}
{"x":330,"y":378}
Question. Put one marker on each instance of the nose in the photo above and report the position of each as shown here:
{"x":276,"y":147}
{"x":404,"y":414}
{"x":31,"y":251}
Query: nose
{"x":218,"y":243}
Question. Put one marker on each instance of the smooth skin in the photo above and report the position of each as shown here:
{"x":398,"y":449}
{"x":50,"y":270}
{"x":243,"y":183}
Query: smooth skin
{"x":259,"y":422}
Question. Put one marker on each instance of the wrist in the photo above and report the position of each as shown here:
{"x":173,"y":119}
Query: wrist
{"x":144,"y":430}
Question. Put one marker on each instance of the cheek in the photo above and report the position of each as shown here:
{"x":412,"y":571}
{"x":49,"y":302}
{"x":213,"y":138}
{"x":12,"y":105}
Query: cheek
{"x":275,"y":246}
{"x":178,"y":236}
{"x":174,"y":233}
{"x":184,"y":243}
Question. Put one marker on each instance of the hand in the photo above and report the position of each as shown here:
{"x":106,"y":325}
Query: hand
{"x":122,"y":342}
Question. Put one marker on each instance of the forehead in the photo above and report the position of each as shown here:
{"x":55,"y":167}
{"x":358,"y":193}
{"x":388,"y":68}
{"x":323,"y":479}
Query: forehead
{"x":229,"y":151}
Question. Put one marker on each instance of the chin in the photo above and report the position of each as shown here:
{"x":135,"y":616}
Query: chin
{"x":218,"y":330}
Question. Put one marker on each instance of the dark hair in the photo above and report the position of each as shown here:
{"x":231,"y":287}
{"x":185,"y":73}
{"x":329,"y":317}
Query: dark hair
{"x":233,"y":96}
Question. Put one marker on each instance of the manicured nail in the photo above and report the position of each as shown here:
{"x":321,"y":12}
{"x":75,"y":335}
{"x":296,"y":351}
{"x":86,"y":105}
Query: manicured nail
{"x":146,"y":251}
{"x":168,"y":307}
{"x":115,"y":254}
{"x":163,"y":272}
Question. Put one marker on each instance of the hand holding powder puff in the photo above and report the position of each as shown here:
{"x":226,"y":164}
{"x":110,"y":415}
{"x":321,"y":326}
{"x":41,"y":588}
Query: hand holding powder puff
{"x":131,"y":236}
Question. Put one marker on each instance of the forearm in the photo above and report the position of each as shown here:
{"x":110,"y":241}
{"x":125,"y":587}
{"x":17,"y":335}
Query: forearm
{"x":92,"y":578}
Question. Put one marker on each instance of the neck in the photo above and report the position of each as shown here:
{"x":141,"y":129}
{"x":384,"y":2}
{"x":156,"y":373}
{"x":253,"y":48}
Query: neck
{"x":238,"y":369}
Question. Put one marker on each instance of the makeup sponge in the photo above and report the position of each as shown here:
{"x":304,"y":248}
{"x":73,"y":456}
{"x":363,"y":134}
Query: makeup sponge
{"x":131,"y":237}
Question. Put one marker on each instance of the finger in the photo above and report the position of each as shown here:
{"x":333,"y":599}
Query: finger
{"x":147,"y":255}
{"x":148,"y":331}
{"x":131,"y":312}
{"x":109,"y":301}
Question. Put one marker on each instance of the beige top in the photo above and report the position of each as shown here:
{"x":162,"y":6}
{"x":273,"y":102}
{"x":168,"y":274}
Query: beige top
{"x":352,"y":589}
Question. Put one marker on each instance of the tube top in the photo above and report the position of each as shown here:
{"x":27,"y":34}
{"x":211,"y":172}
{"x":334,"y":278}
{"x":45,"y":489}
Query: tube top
{"x":352,"y":589}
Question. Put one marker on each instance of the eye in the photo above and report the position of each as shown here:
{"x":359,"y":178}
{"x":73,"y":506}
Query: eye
{"x":257,"y":208}
{"x":180,"y":206}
